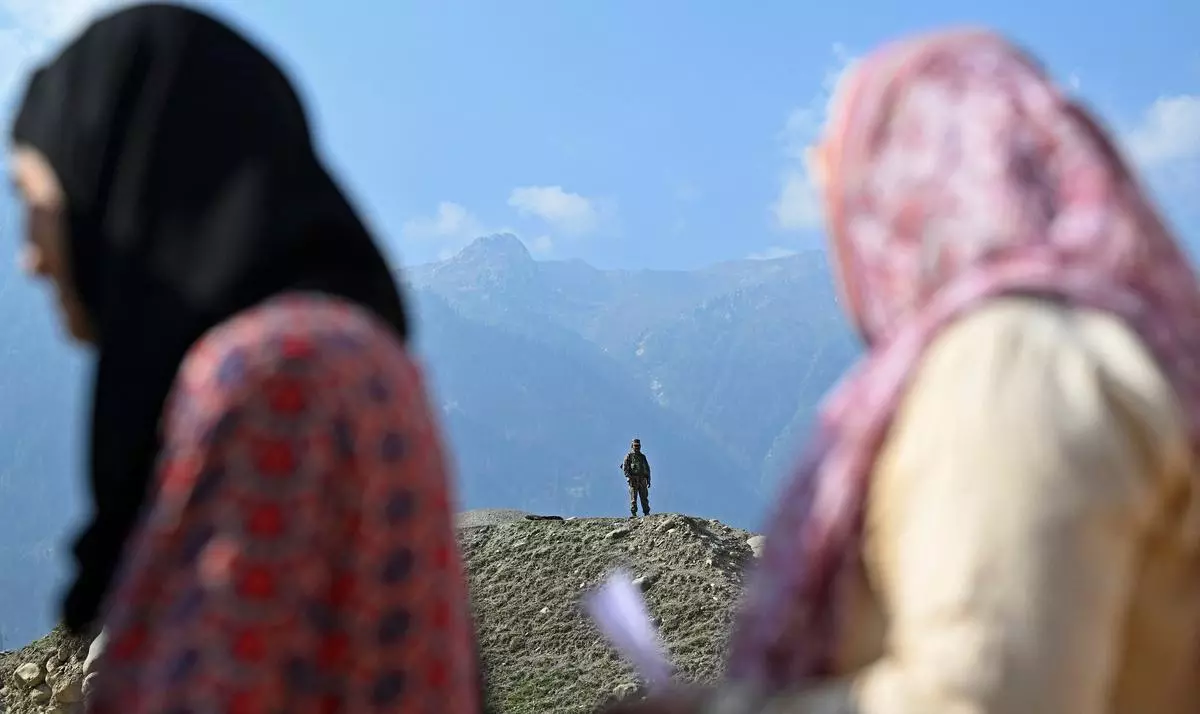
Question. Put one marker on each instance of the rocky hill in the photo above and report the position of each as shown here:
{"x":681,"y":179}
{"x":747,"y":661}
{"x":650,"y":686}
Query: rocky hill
{"x":540,"y":652}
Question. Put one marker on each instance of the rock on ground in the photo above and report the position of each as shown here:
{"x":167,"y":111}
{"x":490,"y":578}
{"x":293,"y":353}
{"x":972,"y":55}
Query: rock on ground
{"x":45,"y":676}
{"x":757,"y":544}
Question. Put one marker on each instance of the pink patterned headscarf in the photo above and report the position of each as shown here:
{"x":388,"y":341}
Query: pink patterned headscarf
{"x":957,"y":172}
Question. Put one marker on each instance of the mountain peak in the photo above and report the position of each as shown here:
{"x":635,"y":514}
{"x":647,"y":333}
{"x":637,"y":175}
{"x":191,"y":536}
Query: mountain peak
{"x":498,"y":259}
{"x":499,"y":247}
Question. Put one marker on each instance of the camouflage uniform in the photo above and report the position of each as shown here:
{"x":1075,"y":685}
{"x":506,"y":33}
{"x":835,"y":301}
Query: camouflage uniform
{"x":637,"y":474}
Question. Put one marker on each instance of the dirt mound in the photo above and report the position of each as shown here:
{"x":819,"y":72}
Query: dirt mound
{"x":541,"y":652}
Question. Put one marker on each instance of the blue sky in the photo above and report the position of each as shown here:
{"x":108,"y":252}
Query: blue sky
{"x":630,"y":133}
{"x":647,"y":134}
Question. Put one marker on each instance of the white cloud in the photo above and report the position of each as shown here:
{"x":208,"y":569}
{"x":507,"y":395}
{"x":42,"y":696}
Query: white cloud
{"x":1168,"y":133}
{"x":30,"y":28}
{"x":771,"y":253}
{"x":451,"y":226}
{"x":797,"y":207}
{"x":567,"y":213}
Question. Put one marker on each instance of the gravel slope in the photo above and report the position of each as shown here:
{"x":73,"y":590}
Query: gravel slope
{"x":540,"y":651}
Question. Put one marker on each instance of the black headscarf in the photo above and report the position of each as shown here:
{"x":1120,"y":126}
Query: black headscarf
{"x":193,"y":192}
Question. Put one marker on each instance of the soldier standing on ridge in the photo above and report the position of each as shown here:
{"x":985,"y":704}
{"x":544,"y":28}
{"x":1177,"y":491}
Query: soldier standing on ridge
{"x":637,"y":474}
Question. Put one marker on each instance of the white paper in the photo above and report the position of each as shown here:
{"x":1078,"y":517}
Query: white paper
{"x":620,"y":612}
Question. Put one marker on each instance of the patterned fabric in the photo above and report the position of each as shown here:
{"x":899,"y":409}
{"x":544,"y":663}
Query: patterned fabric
{"x":956,"y":172}
{"x":299,"y":556}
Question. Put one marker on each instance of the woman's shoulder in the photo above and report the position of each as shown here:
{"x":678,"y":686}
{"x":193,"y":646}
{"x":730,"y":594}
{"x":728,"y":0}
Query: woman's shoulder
{"x":320,"y":331}
{"x":1019,"y":334}
{"x":1089,"y":363}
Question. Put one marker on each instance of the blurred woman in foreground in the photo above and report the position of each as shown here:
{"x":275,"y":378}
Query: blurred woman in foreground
{"x":272,"y":524}
{"x":1000,"y":513}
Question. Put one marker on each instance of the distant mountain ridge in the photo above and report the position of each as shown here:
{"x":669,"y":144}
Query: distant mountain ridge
{"x":545,"y":369}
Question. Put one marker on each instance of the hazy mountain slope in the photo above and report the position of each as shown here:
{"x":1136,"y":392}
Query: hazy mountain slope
{"x":744,"y":363}
{"x":825,"y":365}
{"x":739,"y":353}
{"x":542,"y":426}
{"x":496,"y":281}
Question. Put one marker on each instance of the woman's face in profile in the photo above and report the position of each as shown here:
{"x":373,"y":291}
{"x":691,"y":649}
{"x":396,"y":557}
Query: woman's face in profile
{"x":43,"y":251}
